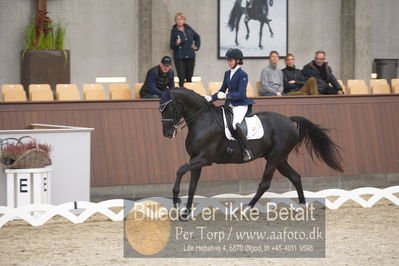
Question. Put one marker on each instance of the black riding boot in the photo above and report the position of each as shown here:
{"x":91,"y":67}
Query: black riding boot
{"x":240,"y":134}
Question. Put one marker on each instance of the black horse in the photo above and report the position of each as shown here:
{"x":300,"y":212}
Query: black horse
{"x":258,"y":11}
{"x":206,"y":142}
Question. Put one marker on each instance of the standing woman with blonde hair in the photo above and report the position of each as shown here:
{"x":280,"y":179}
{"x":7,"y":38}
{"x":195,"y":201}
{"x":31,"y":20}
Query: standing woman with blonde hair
{"x":184,"y":42}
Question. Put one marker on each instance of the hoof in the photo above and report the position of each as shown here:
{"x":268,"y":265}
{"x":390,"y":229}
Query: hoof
{"x":185,"y":215}
{"x":261,"y":47}
{"x":247,"y":37}
{"x":176,"y":202}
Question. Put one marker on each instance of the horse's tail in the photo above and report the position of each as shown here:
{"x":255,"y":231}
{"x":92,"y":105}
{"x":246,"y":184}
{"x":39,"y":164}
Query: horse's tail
{"x":317,"y":141}
{"x":235,"y":14}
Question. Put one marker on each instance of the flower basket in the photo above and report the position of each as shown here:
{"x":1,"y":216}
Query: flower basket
{"x":21,"y":155}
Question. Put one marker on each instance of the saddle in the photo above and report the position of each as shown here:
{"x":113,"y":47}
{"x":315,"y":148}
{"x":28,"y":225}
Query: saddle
{"x":251,"y":124}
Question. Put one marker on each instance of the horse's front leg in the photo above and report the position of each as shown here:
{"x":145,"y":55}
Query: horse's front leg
{"x":194,"y":163}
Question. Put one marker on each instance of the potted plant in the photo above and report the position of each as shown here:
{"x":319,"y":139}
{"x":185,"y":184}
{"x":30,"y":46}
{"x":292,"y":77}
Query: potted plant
{"x":44,"y":60}
{"x":16,"y":154}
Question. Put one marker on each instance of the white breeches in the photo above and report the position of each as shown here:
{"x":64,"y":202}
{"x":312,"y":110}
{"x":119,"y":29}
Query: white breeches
{"x":238,"y":114}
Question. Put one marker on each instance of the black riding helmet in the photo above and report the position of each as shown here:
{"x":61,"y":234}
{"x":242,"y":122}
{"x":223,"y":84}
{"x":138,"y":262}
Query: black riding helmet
{"x":234,"y":54}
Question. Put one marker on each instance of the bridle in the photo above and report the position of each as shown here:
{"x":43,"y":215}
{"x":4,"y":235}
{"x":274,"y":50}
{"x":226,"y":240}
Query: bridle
{"x":176,"y":120}
{"x":176,"y":117}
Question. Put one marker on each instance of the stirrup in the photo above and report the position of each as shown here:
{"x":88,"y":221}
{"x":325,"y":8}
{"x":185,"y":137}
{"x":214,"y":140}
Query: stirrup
{"x":247,"y":155}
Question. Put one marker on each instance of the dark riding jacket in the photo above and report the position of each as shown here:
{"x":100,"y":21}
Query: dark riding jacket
{"x":237,"y":88}
{"x":326,"y":81}
{"x":292,"y":73}
{"x":188,"y":37}
{"x":156,"y":82}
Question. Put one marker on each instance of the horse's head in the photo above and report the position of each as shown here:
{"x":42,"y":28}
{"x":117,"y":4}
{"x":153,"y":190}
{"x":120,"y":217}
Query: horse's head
{"x":177,"y":104}
{"x":171,"y":114}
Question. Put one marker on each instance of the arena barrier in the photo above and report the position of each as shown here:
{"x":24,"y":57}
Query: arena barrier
{"x":30,"y":213}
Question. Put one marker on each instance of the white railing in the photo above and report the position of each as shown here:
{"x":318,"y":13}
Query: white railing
{"x":39,"y":214}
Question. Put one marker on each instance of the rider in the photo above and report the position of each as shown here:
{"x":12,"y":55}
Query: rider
{"x":236,"y":80}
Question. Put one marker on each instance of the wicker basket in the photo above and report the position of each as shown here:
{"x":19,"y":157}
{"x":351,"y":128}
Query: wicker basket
{"x":33,"y":158}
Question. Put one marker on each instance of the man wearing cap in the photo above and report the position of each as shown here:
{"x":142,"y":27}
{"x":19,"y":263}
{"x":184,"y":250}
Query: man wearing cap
{"x":158,"y":79}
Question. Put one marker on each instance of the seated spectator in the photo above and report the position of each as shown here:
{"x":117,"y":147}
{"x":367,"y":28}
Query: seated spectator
{"x":158,"y":79}
{"x":294,"y":82}
{"x":271,"y":78}
{"x":319,"y":69}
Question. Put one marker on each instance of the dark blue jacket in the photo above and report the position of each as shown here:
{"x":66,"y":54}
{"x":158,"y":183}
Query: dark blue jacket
{"x":237,"y":87}
{"x":188,"y":37}
{"x":156,"y":82}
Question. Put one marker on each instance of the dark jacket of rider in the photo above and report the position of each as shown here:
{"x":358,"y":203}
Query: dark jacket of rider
{"x":237,"y":88}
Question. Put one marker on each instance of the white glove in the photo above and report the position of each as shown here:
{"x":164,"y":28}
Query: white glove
{"x":208,"y":98}
{"x":221,"y":95}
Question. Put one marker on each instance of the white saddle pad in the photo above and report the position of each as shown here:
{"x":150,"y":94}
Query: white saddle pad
{"x":254,"y":125}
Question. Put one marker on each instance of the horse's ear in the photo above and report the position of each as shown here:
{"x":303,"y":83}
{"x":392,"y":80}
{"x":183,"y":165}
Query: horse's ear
{"x":166,"y":96}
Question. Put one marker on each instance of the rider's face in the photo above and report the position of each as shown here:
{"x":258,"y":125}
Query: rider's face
{"x":231,"y":63}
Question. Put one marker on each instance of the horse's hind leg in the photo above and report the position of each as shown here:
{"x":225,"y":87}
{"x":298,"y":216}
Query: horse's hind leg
{"x":265,"y":182}
{"x":286,"y":170}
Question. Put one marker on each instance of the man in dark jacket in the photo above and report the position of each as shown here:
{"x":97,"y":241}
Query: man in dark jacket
{"x":320,"y":70}
{"x":294,"y":82}
{"x":184,"y":42}
{"x":158,"y":79}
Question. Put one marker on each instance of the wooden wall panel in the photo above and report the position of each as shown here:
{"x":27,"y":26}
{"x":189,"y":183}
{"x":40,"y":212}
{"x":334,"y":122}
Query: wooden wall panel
{"x":128,"y":146}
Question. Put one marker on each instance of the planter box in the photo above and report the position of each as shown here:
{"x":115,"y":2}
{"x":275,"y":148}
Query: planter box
{"x":45,"y":67}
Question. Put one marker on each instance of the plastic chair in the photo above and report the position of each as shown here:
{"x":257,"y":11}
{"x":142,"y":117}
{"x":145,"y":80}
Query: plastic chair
{"x":198,"y":87}
{"x":119,"y":91}
{"x":67,"y":92}
{"x":357,"y":86}
{"x":257,"y":88}
{"x":374,"y":82}
{"x":93,"y":91}
{"x":214,"y":86}
{"x":250,"y":90}
{"x":382,"y":88}
{"x":343,"y":86}
{"x":137,"y":88}
{"x":40,"y":87}
{"x":8,"y":87}
{"x":14,"y":95}
{"x":41,"y":95}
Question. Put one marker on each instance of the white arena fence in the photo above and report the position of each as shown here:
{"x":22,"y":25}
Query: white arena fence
{"x":39,"y":214}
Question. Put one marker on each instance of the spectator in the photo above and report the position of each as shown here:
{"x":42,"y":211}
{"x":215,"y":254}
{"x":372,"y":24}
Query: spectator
{"x":294,"y":82}
{"x":319,"y":69}
{"x":184,"y":42}
{"x":158,"y":79}
{"x":271,"y":78}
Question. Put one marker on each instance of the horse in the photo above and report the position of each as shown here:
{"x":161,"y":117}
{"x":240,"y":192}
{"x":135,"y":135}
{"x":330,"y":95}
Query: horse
{"x":258,"y":11}
{"x":206,"y":142}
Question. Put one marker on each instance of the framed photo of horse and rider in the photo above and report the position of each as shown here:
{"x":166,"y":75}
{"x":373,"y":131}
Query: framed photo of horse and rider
{"x":254,"y":26}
